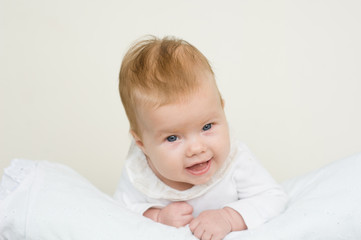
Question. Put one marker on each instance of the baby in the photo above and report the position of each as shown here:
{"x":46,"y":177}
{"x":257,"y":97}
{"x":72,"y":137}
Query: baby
{"x":183,"y":168}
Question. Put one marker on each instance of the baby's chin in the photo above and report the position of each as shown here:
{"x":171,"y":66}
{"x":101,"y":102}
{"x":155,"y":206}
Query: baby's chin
{"x":203,"y":180}
{"x":183,"y":186}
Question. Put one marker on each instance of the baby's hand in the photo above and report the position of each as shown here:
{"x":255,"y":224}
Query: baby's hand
{"x":176,"y":214}
{"x":211,"y":224}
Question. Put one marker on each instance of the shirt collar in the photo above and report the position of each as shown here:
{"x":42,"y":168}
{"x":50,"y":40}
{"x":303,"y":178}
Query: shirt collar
{"x":143,"y":178}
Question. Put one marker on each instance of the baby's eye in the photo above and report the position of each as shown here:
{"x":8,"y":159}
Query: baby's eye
{"x":207,"y":127}
{"x":172,"y":138}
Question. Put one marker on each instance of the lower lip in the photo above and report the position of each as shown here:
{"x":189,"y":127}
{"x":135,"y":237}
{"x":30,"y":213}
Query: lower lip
{"x":201,"y":171}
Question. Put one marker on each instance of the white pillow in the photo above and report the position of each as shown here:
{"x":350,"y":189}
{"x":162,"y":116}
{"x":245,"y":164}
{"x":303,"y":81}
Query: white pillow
{"x":324,"y":204}
{"x":42,"y":200}
{"x":52,"y":201}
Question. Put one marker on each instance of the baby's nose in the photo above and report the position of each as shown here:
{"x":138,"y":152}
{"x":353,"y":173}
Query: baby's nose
{"x":195,"y":147}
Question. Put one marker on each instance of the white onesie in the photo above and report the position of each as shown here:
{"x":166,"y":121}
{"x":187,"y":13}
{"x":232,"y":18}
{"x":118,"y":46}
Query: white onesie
{"x":242,"y":184}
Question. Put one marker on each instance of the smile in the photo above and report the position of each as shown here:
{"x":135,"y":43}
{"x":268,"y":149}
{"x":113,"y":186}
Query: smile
{"x":200,"y":168}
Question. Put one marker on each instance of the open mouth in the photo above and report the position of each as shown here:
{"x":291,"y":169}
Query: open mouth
{"x":199,"y":168}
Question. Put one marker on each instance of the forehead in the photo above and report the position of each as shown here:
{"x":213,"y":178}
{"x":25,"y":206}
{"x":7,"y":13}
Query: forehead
{"x":192,"y":109}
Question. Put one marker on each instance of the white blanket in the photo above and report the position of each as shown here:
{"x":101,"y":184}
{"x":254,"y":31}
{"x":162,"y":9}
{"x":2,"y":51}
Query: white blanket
{"x":47,"y":201}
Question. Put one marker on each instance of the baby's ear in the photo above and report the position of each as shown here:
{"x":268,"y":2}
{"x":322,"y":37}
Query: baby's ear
{"x":137,"y":140}
{"x":222,"y":102}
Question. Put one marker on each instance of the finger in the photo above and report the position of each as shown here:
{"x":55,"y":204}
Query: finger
{"x":217,"y":236}
{"x":198,"y":233}
{"x":187,"y":219}
{"x":206,"y":236}
{"x":193,"y":225}
{"x":186,"y":208}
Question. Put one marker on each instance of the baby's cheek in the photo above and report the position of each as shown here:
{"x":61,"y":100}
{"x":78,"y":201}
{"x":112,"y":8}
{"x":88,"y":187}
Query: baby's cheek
{"x":222,"y":145}
{"x":170,"y":166}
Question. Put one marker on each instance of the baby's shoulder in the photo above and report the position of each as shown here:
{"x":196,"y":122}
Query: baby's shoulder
{"x":240,"y":151}
{"x":242,"y":157}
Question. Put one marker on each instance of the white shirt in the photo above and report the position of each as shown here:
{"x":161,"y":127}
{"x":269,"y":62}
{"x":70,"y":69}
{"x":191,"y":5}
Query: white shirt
{"x":241,"y":183}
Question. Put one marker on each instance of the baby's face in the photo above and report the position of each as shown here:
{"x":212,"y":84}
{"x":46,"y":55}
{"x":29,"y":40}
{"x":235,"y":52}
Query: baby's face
{"x":188,"y":141}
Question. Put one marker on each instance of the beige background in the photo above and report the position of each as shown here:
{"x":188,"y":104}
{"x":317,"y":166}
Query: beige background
{"x":289,"y":72}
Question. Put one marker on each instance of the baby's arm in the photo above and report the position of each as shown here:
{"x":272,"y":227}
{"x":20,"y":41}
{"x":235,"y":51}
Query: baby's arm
{"x":216,"y":224}
{"x":176,"y":214}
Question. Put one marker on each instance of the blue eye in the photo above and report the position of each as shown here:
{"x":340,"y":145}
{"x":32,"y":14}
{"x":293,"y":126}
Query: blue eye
{"x":207,"y":127}
{"x":172,"y":138}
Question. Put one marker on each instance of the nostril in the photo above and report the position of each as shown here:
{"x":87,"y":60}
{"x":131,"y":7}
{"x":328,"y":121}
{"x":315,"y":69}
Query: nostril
{"x":194,"y":150}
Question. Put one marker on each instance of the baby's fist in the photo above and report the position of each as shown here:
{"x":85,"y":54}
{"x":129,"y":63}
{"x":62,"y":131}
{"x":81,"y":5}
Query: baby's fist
{"x":176,"y":214}
{"x":211,"y":224}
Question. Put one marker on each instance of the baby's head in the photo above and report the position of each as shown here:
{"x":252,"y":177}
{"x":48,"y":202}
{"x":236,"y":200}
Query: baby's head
{"x":175,"y":110}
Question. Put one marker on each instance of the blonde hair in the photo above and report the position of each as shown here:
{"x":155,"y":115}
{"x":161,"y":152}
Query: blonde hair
{"x":157,"y":71}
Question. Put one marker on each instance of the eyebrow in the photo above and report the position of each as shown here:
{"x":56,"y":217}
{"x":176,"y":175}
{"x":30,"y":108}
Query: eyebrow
{"x":167,"y":132}
{"x":209,"y":119}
